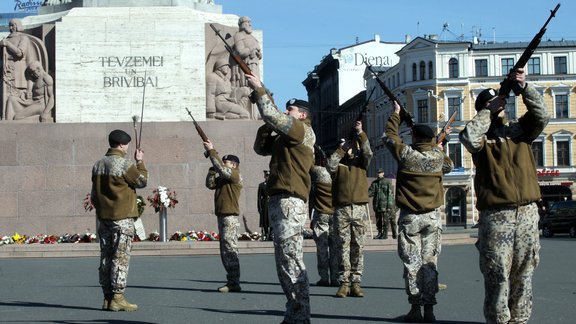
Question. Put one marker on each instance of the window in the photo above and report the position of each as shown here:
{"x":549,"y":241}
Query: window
{"x":481,"y":67}
{"x":563,"y":153}
{"x":534,"y":65}
{"x":414,"y":72}
{"x":507,"y":65}
{"x":430,"y":70}
{"x":453,"y":68}
{"x":560,"y":65}
{"x":422,"y":70}
{"x":423,"y":111}
{"x":453,"y":105}
{"x":455,"y":154}
{"x":538,"y":151}
{"x":561,"y":103}
{"x":510,"y":108}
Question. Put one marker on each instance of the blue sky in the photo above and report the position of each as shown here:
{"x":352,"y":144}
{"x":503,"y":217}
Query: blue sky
{"x":298,"y":33}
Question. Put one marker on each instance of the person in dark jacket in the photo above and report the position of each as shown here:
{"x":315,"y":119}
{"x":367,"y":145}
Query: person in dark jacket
{"x":419,"y":194}
{"x":507,"y":193}
{"x":262,"y":205}
{"x":114,"y":182}
{"x":224,"y":178}
{"x":348,"y":165}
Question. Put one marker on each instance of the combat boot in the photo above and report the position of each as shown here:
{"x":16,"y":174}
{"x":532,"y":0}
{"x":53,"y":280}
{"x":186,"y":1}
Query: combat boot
{"x":118,"y":304}
{"x":429,"y":314}
{"x":343,"y":290}
{"x":414,"y":315}
{"x":106,"y":303}
{"x":378,"y":236}
{"x":230,"y":288}
{"x":356,"y":290}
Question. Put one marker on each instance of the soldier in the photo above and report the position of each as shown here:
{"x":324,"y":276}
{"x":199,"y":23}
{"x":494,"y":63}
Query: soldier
{"x":292,"y":157}
{"x":507,"y":193}
{"x":114,"y":182}
{"x":419,"y":194}
{"x":263,"y":208}
{"x":348,"y":165}
{"x":384,"y":205}
{"x":323,"y":222}
{"x":224,"y":177}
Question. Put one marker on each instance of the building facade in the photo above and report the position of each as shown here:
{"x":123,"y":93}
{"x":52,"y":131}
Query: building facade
{"x":435,"y":78}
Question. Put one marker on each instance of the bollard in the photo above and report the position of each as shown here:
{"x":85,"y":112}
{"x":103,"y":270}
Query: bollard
{"x":163,"y":224}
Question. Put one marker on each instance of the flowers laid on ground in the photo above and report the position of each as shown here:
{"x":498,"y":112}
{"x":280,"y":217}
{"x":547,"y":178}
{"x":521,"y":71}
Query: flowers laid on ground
{"x":162,"y":197}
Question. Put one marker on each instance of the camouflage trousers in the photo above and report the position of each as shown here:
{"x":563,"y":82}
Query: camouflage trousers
{"x":419,"y":245}
{"x":324,"y":236}
{"x":288,"y":216}
{"x":228,"y":231}
{"x":349,"y":223}
{"x":383,"y":218}
{"x":509,"y":247}
{"x":115,"y":249}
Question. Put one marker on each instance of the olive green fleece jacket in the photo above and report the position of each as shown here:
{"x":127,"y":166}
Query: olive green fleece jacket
{"x":502,"y":153}
{"x":291,"y":149}
{"x":227,"y":184}
{"x":114,"y":183}
{"x":349,"y":180}
{"x":419,"y":186}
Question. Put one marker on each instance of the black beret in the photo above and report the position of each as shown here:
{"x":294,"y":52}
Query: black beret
{"x":423,"y":131}
{"x":483,"y":97}
{"x":118,"y":136}
{"x":230,"y":157}
{"x":301,"y":104}
{"x":380,"y":170}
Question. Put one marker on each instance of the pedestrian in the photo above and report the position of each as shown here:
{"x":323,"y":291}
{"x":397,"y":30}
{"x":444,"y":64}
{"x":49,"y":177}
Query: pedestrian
{"x":262,"y":205}
{"x":224,"y":178}
{"x":323,"y":223}
{"x":289,"y":139}
{"x":507,"y":193}
{"x":114,"y":182}
{"x":348,"y":165}
{"x":384,"y":205}
{"x":419,"y":194}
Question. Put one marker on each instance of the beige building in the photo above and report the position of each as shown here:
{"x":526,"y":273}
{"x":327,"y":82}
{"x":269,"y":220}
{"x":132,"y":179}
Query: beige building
{"x":435,"y":78}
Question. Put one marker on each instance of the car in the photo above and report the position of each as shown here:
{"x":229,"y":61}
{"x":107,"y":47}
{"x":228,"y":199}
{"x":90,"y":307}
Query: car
{"x":560,"y":218}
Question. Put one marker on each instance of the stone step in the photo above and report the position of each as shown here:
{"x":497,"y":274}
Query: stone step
{"x":65,"y":250}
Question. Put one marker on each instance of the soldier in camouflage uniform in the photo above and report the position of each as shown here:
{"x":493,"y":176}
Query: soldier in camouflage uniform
{"x":323,"y":222}
{"x":224,"y":177}
{"x":114,"y":182}
{"x":292,"y":156}
{"x":348,"y":165}
{"x":507,"y":191}
{"x":384,"y":205}
{"x":419,"y":194}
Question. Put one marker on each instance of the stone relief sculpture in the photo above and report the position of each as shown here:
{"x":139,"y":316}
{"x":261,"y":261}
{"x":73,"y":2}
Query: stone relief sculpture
{"x":39,"y":97}
{"x":19,"y":50}
{"x":216,"y":52}
{"x":247,"y":46}
{"x":228,"y":102}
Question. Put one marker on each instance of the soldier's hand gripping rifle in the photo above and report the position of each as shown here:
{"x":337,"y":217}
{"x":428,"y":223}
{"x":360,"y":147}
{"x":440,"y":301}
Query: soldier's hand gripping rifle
{"x":442,"y":135}
{"x":510,"y":85}
{"x":404,"y":114}
{"x":236,"y":57}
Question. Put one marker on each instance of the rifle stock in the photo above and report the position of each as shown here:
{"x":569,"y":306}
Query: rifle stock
{"x":404,"y":114}
{"x":509,"y":85}
{"x":198,"y":128}
{"x":443,"y":133}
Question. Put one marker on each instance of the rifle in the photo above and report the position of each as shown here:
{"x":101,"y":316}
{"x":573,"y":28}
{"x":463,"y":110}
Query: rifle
{"x":198,"y":128}
{"x":443,"y":133}
{"x":365,"y":106}
{"x":507,"y":85}
{"x":404,"y":114}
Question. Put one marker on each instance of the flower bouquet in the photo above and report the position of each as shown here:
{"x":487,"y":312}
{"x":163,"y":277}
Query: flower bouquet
{"x":162,"y":197}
